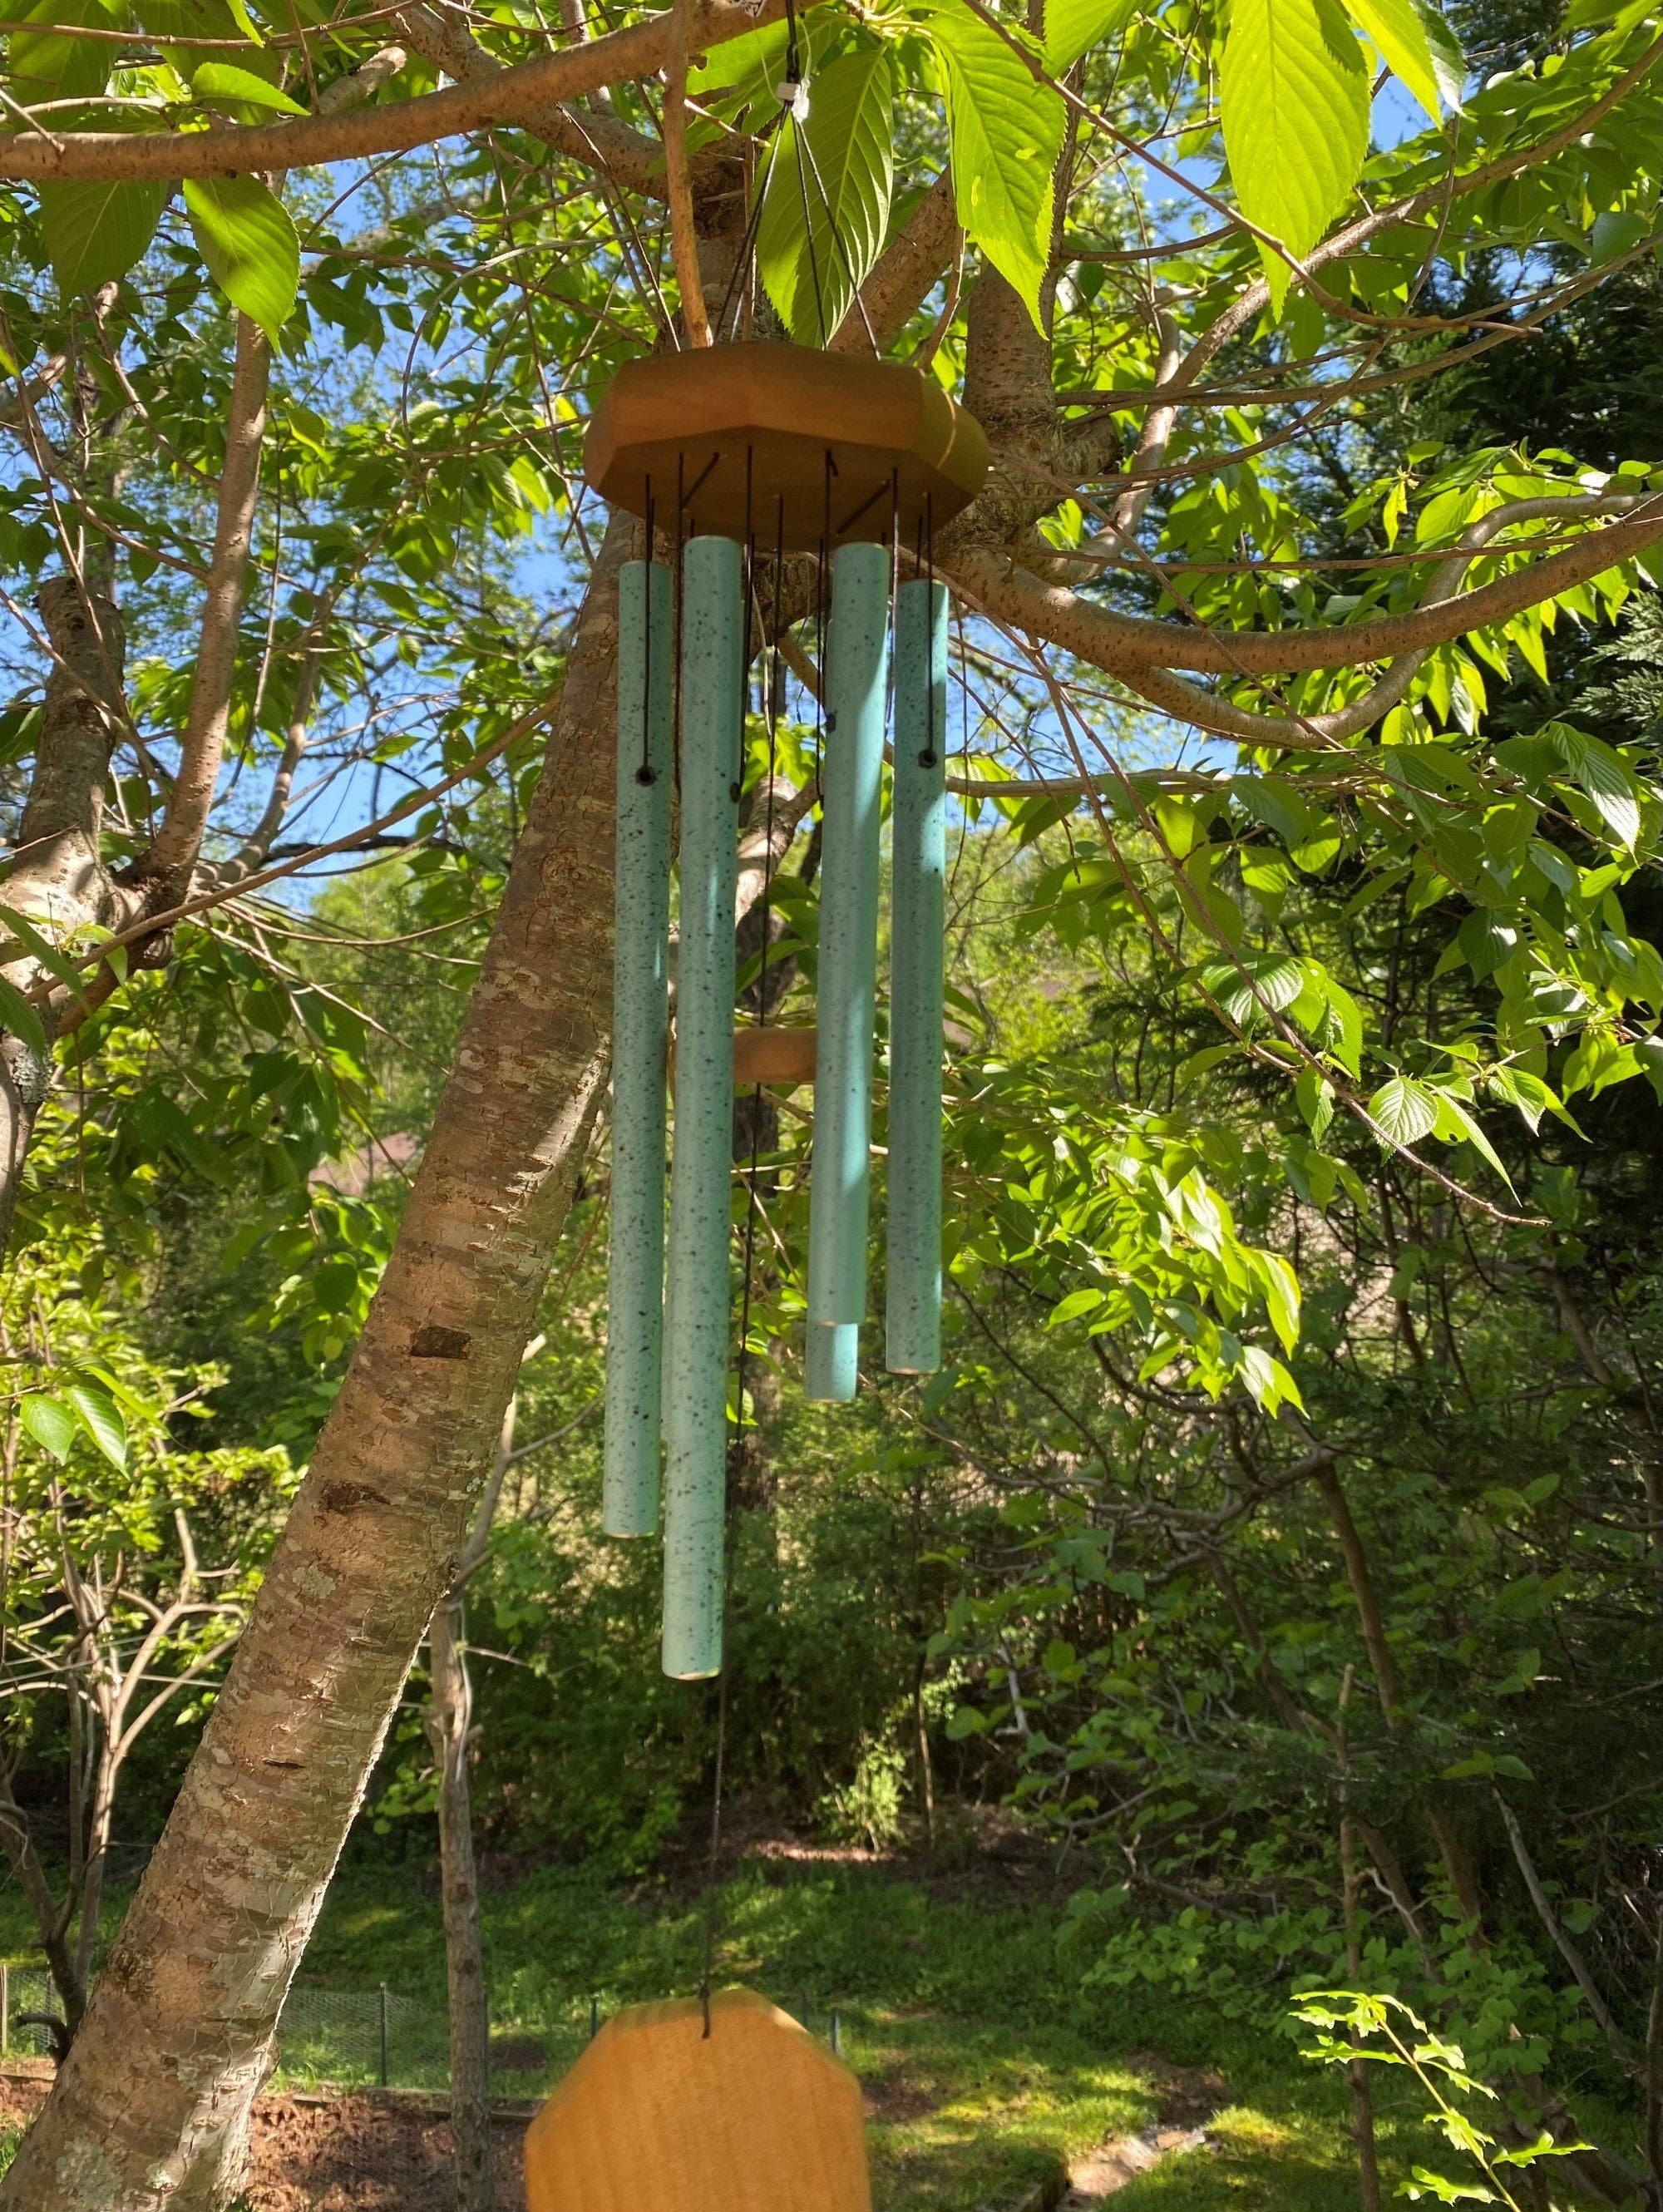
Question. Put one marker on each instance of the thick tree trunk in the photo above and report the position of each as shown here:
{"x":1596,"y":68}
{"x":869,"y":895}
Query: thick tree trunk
{"x":151,"y":2108}
{"x":450,"y":1716}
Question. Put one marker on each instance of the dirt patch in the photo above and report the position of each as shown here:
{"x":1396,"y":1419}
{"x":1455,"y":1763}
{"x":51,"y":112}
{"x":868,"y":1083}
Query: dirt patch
{"x":341,"y":2154}
{"x":366,"y":2155}
{"x":22,"y":2093}
{"x":986,"y":1853}
{"x":898,"y":2095}
{"x":1189,"y":2094}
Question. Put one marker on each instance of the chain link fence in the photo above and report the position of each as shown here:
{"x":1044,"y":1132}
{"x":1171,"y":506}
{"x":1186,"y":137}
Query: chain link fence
{"x":25,"y":1990}
{"x":376,"y":2039}
{"x":351,"y":2039}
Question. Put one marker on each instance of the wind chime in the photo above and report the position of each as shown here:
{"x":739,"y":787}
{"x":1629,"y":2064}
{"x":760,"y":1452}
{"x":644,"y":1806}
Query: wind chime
{"x":724,"y":450}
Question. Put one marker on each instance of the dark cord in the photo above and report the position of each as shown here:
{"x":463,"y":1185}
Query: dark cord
{"x":646,"y":774}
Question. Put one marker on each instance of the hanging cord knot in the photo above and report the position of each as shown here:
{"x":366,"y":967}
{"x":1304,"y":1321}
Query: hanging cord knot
{"x":792,"y":90}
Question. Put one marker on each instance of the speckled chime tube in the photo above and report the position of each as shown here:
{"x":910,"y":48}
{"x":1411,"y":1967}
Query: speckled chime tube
{"x":917,"y":921}
{"x":856,"y":668}
{"x":696,"y":1347}
{"x":634,"y":1290}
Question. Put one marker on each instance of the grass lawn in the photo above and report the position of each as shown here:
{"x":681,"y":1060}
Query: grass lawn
{"x":984,"y":2074}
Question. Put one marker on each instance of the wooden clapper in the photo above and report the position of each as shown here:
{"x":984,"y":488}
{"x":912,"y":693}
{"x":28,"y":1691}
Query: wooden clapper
{"x":658,"y":2117}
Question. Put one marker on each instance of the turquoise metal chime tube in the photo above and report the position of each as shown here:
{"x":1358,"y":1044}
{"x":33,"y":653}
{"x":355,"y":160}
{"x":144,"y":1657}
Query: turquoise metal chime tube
{"x":640,"y":1008}
{"x":831,"y":1360}
{"x":856,"y":658}
{"x":696,"y":1350}
{"x":917,"y":922}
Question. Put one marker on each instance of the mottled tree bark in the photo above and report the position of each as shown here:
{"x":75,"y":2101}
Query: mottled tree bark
{"x":451,"y":1732}
{"x":449,"y":1729}
{"x":151,"y":2108}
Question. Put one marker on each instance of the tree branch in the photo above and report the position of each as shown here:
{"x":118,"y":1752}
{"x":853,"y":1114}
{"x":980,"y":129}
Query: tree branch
{"x":1131,"y":646}
{"x":901,"y":281}
{"x":1549,"y":1920}
{"x":599,"y":140}
{"x":164,"y":869}
{"x":514,"y":95}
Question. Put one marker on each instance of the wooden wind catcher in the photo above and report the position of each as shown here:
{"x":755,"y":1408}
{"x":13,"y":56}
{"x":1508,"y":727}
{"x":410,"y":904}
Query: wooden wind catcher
{"x":676,"y":2109}
{"x":729,"y":451}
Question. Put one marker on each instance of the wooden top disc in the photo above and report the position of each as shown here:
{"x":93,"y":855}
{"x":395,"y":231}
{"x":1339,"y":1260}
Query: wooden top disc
{"x":834,"y":446}
{"x":657,"y":2116}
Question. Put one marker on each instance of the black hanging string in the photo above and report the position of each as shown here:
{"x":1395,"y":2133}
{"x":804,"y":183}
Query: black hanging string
{"x":676,"y":625}
{"x":927,"y":758}
{"x":646,"y":773}
{"x":808,"y":238}
{"x":893,"y":541}
{"x":822,"y":722}
{"x":837,"y":241}
{"x":739,"y":273}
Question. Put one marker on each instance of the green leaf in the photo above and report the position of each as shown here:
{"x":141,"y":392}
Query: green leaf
{"x":1529,"y":1093}
{"x":1339,"y":1032}
{"x":20,"y":1017}
{"x":1446,"y":2191}
{"x":1281,"y":1296}
{"x":1245,"y":992}
{"x":1315,"y":1096}
{"x":50,"y":66}
{"x":1005,"y":133}
{"x":1448,"y":56}
{"x":1400,"y":31}
{"x":211,"y":20}
{"x":1403,"y":1111}
{"x":95,"y":231}
{"x":826,"y":195}
{"x":1618,"y":231}
{"x":221,"y":80}
{"x":1269,"y":1383}
{"x":1606,"y":778}
{"x":1295,"y":91}
{"x":250,"y":245}
{"x":102,"y":1421}
{"x":50,"y":1422}
{"x":1072,"y":28}
{"x":1199,"y":1063}
{"x":55,"y":963}
{"x":1455,"y":1124}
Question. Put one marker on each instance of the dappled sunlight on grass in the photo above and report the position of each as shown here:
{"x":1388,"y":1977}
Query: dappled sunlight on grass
{"x":967,"y":2113}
